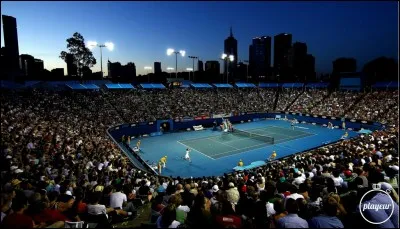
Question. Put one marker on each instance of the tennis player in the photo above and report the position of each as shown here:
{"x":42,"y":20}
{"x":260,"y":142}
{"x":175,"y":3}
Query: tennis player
{"x":273,"y":156}
{"x":187,"y":157}
{"x":159,"y":165}
{"x":292,"y":124}
{"x":240,"y":163}
{"x":345,"y":135}
{"x":163,"y":160}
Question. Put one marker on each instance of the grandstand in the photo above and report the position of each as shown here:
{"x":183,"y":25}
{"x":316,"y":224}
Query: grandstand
{"x":65,"y":139}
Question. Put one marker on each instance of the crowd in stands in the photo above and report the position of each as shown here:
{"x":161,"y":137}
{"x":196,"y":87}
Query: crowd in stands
{"x":58,"y":165}
{"x":309,"y":99}
{"x":286,"y":97}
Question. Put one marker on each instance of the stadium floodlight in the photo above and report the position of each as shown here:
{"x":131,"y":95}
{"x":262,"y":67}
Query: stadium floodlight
{"x":148,"y":68}
{"x":172,"y":51}
{"x":228,"y":59}
{"x":108,"y":45}
{"x":189,"y":69}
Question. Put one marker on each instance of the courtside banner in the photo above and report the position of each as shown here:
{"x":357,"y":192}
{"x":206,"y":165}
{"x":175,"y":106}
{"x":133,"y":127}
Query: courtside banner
{"x":198,"y":118}
{"x":221,"y":115}
{"x":186,"y":119}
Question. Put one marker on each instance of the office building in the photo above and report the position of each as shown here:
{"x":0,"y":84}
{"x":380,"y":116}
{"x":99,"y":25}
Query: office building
{"x":116,"y":70}
{"x":344,"y":65}
{"x":57,"y":73}
{"x":212,"y":70}
{"x":26,"y":63}
{"x":282,"y":45}
{"x":200,"y":66}
{"x":310,"y":68}
{"x":157,"y":68}
{"x":231,"y":48}
{"x":260,"y":56}
{"x":11,"y":44}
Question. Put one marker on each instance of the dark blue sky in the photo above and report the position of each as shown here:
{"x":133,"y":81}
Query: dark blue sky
{"x":142,"y":31}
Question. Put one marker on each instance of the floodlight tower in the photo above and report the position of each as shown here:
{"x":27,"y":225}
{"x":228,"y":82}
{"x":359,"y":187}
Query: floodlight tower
{"x":172,"y":51}
{"x":108,"y":45}
{"x":193,"y":58}
{"x":227,"y":58}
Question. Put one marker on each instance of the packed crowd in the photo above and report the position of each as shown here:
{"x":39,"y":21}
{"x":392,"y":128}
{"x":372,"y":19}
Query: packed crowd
{"x":286,"y":97}
{"x":378,"y":106}
{"x":309,"y":99}
{"x":57,"y":165}
{"x":139,"y":106}
{"x":337,"y":103}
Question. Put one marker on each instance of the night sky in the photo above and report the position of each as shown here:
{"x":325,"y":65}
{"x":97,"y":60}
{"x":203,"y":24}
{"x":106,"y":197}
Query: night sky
{"x":142,"y":31}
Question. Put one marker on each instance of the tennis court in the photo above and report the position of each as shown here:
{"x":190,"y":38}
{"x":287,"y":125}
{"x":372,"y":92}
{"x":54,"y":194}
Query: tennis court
{"x":227,"y":144}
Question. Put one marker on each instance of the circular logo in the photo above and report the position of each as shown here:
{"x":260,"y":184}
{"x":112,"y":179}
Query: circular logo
{"x":376,"y":207}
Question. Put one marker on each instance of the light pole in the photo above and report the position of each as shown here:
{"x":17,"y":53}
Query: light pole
{"x":148,"y":75}
{"x":228,"y":59}
{"x":172,"y":51}
{"x":108,"y":45}
{"x":193,"y":58}
{"x":189,"y":69}
{"x":170,"y":69}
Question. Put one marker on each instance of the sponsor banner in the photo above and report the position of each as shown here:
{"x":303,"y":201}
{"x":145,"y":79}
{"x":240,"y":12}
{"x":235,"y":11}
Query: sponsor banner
{"x":315,"y":116}
{"x":133,"y":125}
{"x":307,"y":115}
{"x":333,"y":118}
{"x":186,"y":119}
{"x":177,"y":120}
{"x":198,"y":118}
{"x":221,"y":115}
{"x":323,"y":116}
{"x":251,"y":112}
{"x":293,"y":113}
{"x":143,"y":123}
{"x":364,"y":122}
{"x":205,"y":117}
{"x":353,"y":120}
{"x":151,"y":123}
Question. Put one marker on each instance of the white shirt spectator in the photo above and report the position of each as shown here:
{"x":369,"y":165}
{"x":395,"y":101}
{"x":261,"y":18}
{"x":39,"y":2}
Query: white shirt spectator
{"x":97,"y":209}
{"x":100,"y":166}
{"x":89,"y":165}
{"x":117,"y":199}
{"x":338,"y":181}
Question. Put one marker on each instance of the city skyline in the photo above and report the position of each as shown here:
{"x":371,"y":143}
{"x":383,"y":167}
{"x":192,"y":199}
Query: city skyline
{"x":143,"y":31}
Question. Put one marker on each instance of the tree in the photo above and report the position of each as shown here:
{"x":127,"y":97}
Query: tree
{"x":83,"y":57}
{"x":381,"y":69}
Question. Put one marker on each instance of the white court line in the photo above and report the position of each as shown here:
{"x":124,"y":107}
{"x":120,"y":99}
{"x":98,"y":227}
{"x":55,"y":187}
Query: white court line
{"x":290,"y":129}
{"x":223,"y":143}
{"x":196,"y":139}
{"x":195,"y":150}
{"x":297,"y":137}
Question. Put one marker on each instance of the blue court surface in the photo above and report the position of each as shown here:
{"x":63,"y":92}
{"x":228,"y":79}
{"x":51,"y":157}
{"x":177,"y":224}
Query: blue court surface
{"x":214,"y":152}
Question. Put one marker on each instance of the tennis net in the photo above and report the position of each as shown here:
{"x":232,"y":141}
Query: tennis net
{"x":258,"y":137}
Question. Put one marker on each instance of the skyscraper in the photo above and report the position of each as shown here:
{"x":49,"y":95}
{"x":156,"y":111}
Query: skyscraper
{"x":200,"y":66}
{"x":157,"y":68}
{"x":282,"y":45}
{"x":260,"y":56}
{"x":212,"y":71}
{"x":11,"y":43}
{"x":230,"y":48}
{"x":26,"y":63}
{"x":297,"y":60}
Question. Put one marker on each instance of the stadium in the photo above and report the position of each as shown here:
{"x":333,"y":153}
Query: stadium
{"x":276,"y":141}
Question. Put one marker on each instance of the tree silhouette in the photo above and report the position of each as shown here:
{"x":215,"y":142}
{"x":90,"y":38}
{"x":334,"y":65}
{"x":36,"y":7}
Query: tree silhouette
{"x":381,"y":69}
{"x":83,"y":57}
